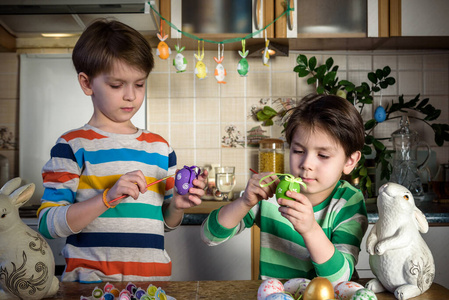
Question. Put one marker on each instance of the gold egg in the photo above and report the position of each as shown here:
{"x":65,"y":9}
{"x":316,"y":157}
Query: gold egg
{"x":319,"y":288}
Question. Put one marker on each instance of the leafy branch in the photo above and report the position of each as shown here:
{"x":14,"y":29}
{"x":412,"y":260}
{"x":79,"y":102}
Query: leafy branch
{"x":325,"y":78}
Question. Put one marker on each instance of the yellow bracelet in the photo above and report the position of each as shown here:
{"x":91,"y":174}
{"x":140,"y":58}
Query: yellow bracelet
{"x":106,"y":201}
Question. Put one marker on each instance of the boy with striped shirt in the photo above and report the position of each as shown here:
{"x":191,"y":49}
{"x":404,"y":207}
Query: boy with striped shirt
{"x":96,"y":180}
{"x":320,"y":231}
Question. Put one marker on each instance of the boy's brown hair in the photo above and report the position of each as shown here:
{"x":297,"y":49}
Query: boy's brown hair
{"x":105,"y":41}
{"x":333,"y":114}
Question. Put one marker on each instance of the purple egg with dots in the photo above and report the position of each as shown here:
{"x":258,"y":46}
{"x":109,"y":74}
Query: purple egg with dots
{"x":184,"y":179}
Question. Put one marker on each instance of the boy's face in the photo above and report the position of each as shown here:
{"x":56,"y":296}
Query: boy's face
{"x":116,"y":95}
{"x":320,"y":161}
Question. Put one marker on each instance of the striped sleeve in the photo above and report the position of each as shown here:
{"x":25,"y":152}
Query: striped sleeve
{"x":60,"y":177}
{"x":349,"y":224}
{"x":213,"y":233}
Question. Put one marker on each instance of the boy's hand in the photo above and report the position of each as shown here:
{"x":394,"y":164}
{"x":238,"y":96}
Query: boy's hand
{"x":254,"y":192}
{"x":193,"y":197}
{"x":130,"y":184}
{"x":299,"y":212}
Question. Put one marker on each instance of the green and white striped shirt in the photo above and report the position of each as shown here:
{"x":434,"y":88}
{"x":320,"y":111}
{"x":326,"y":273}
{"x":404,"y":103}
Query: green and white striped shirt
{"x":283,"y":254}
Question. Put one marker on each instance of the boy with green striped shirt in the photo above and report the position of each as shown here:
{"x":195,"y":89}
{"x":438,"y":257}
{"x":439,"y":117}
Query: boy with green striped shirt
{"x":320,"y":231}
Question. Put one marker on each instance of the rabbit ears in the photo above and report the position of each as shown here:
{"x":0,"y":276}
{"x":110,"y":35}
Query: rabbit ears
{"x":421,"y":221}
{"x":218,"y":61}
{"x":162,"y":38}
{"x":18,"y":196}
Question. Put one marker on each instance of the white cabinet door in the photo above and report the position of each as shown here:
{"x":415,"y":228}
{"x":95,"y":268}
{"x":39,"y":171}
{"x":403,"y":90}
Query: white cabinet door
{"x":438,"y":242}
{"x":425,"y":18}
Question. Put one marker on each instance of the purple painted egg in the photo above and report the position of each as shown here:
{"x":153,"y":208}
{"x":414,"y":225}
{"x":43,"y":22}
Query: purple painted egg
{"x":184,"y":179}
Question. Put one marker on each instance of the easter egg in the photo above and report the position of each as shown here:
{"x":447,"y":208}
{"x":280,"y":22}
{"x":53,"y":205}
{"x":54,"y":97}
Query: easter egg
{"x":268,"y":287}
{"x":345,"y":289}
{"x":364,"y":294}
{"x":279,"y":296}
{"x":284,"y":186}
{"x":296,"y":286}
{"x":319,"y":288}
{"x":184,"y":179}
{"x":341,"y":93}
{"x":379,"y":114}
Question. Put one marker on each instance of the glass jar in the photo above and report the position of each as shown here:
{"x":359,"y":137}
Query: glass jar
{"x":271,"y":156}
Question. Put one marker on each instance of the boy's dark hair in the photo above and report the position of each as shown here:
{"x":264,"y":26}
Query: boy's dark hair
{"x":333,"y":114}
{"x":105,"y":41}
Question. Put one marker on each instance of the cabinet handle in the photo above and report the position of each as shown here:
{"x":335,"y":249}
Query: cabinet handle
{"x":258,"y":8}
{"x":290,"y":15}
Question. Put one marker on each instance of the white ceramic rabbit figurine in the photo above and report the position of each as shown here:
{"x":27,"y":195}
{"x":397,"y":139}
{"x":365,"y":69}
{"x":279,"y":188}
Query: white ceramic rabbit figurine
{"x":27,"y":264}
{"x":399,"y":257}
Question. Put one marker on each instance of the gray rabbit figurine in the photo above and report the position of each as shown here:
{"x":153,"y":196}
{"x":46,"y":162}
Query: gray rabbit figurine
{"x":399,"y":257}
{"x":27,"y":264}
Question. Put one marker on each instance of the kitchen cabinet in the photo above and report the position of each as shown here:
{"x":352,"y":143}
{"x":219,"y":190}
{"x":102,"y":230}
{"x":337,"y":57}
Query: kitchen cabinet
{"x":228,"y":19}
{"x":412,"y":18}
{"x":436,"y":239}
{"x":339,"y":18}
{"x":223,"y":19}
{"x":424,"y":18}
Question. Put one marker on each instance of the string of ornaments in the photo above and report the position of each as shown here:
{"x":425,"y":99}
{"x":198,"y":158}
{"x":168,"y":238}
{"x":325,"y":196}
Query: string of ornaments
{"x":180,"y":62}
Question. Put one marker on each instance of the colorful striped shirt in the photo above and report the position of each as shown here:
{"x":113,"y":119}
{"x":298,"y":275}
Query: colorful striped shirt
{"x":125,"y":243}
{"x":283,"y":254}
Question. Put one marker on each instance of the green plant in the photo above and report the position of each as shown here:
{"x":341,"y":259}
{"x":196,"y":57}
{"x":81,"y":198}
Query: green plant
{"x":325,"y":78}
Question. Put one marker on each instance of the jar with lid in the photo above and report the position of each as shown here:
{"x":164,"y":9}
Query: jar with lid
{"x":271,"y":156}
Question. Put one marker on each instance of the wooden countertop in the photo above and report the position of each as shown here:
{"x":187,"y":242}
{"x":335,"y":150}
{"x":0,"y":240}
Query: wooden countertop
{"x":206,"y":207}
{"x":239,"y":289}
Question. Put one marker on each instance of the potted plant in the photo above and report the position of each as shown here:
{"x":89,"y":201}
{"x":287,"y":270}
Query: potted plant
{"x":325,"y":78}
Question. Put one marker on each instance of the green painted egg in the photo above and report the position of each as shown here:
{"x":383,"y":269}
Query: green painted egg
{"x":284,"y":186}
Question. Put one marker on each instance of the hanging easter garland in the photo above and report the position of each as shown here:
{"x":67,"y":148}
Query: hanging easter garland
{"x":220,"y":71}
{"x":243,"y":66}
{"x":180,"y":63}
{"x":200,"y":67}
{"x":163,"y":50}
{"x":266,"y":53}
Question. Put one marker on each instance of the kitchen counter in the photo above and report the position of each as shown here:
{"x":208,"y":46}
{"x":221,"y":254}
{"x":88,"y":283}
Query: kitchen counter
{"x":238,"y":289}
{"x":437,"y":213}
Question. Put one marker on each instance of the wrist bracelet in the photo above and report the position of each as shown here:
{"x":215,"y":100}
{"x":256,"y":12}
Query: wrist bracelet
{"x":106,"y":201}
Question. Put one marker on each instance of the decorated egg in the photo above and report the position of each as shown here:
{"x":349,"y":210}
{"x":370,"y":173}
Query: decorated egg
{"x":364,"y":294}
{"x":268,"y":287}
{"x":284,"y":186}
{"x":379,"y":114}
{"x":345,"y":289}
{"x":296,"y":286}
{"x":279,"y":296}
{"x":184,"y":179}
{"x":319,"y":288}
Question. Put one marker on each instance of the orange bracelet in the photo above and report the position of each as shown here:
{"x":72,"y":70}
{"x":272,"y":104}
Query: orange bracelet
{"x":106,"y":201}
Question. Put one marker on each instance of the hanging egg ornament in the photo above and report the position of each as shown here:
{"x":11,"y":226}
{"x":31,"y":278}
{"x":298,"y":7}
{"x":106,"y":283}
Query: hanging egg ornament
{"x":220,"y":71}
{"x":266,"y":54}
{"x":163,"y":50}
{"x":379,"y":114}
{"x":180,"y":62}
{"x":319,"y":288}
{"x":243,"y":66}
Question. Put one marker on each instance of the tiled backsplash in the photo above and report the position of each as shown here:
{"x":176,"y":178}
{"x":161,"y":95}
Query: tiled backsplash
{"x":194,"y":114}
{"x":197,"y":116}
